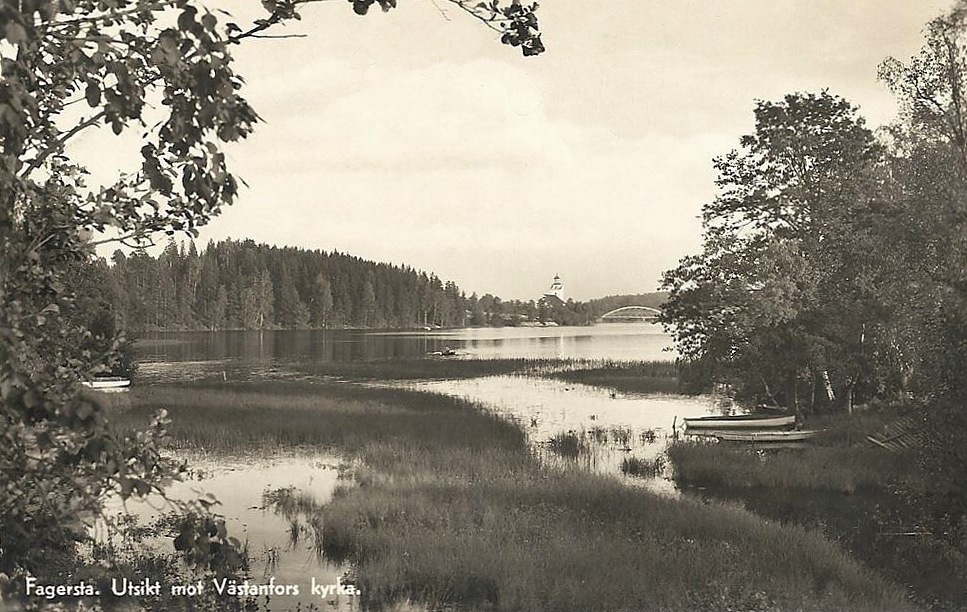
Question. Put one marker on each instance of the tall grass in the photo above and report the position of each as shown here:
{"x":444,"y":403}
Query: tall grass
{"x":450,"y":508}
{"x":569,"y":444}
{"x":411,"y":369}
{"x":246,"y":416}
{"x":635,"y":466}
{"x":626,"y":377}
{"x":630,"y":377}
{"x":841,"y":461}
{"x":843,"y":469}
{"x":845,"y":489}
{"x":497,"y":530}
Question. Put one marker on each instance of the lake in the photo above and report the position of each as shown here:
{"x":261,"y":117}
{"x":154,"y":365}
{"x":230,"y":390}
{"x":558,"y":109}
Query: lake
{"x":616,"y":341}
{"x":609,"y":427}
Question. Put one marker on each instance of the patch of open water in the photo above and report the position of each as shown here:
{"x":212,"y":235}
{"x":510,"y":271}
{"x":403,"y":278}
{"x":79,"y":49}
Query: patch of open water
{"x":611,"y":427}
{"x":238,"y":483}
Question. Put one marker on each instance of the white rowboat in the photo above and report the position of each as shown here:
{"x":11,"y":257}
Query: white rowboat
{"x":766,"y":436}
{"x":742,"y":421}
{"x":107,"y":382}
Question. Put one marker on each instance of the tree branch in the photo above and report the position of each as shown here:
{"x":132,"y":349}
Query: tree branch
{"x":138,"y":235}
{"x":490,"y":23}
{"x":58,"y":144}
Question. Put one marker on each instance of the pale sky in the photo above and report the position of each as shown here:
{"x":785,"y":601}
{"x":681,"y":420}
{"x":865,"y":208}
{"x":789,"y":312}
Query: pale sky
{"x":413,"y":137}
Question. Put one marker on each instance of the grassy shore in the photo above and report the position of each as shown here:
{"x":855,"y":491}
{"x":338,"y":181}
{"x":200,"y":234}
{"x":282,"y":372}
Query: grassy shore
{"x":862,"y":496}
{"x":839,"y":461}
{"x":625,"y":377}
{"x":242,"y":417}
{"x":450,"y":507}
{"x":841,"y":469}
{"x":413,"y":369}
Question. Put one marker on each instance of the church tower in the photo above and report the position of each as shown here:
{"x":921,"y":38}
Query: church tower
{"x":557,"y":289}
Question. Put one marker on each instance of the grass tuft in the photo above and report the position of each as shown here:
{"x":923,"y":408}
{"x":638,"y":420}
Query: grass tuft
{"x":569,"y":444}
{"x":633,"y":466}
{"x":625,"y":377}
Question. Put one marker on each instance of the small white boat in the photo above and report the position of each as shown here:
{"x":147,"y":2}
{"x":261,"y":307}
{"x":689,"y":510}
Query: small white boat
{"x":767,"y":436}
{"x":741,"y":421}
{"x":107,"y":382}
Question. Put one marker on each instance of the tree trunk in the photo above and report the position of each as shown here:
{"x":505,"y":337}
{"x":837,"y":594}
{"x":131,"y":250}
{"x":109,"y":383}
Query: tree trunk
{"x":830,"y":395}
{"x":812,"y":394}
{"x":765,"y":384}
{"x":849,"y":398}
{"x":792,"y":395}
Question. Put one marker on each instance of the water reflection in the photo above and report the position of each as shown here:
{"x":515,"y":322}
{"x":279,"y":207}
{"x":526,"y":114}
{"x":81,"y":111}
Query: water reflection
{"x":239,"y":484}
{"x":611,"y":427}
{"x":617,"y":341}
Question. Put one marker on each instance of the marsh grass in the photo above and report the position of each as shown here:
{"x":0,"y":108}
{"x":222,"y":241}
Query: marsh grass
{"x":843,"y":469}
{"x":419,"y":369}
{"x":621,"y":436}
{"x":848,"y":430}
{"x":246,"y":417}
{"x":448,"y":506}
{"x":841,"y":461}
{"x":845,"y":489}
{"x":633,"y":377}
{"x":626,"y":377}
{"x":302,"y":511}
{"x":634,"y":466}
{"x":500,"y":531}
{"x":569,"y":444}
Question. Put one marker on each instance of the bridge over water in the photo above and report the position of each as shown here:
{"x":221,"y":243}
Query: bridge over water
{"x":631,"y":313}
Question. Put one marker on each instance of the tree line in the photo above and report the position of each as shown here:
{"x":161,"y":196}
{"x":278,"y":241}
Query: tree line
{"x":239,"y":284}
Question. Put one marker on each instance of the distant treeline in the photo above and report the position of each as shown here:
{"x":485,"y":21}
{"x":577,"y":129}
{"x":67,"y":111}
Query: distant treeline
{"x":236,"y":284}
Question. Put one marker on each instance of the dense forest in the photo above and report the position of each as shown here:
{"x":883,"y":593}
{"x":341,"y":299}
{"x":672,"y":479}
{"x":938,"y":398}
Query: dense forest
{"x":244,"y":285}
{"x":834,"y":264}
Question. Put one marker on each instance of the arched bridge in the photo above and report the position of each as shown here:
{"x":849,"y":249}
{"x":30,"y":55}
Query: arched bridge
{"x":631,"y":313}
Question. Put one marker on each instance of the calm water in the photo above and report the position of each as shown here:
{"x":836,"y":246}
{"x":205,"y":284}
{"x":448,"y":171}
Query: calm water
{"x":239,"y":483}
{"x":618,"y":341}
{"x":612,"y":426}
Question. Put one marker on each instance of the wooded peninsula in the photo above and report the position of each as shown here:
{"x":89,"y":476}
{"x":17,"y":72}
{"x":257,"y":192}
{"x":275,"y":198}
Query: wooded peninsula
{"x":239,"y":284}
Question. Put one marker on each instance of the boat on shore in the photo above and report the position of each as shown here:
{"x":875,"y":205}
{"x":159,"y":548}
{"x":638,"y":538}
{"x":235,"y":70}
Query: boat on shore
{"x":741,"y":421}
{"x":108,"y":382}
{"x":767,"y":436}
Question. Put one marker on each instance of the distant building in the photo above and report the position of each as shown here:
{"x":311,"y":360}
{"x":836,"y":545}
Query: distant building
{"x":554,"y":296}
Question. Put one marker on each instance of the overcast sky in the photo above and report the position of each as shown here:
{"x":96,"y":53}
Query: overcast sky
{"x":415,"y":137}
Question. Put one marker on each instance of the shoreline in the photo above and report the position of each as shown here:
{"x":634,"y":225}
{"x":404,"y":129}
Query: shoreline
{"x":424,"y":457}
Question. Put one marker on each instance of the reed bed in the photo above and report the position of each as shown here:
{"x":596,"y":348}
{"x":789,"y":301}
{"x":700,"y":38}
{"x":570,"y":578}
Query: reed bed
{"x":624,"y":377}
{"x":569,"y":444}
{"x":425,"y":369}
{"x":843,"y":469}
{"x":448,"y":506}
{"x":481,"y":528}
{"x":245,"y":417}
{"x":860,"y":495}
{"x":635,"y":466}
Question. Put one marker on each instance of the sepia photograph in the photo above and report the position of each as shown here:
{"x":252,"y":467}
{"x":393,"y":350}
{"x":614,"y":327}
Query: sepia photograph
{"x":483,"y":306}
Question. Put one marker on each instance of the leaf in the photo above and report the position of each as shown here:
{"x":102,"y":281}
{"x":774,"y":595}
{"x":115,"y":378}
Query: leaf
{"x":187,"y":19}
{"x":127,"y":485}
{"x":93,"y":94}
{"x":15,"y":33}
